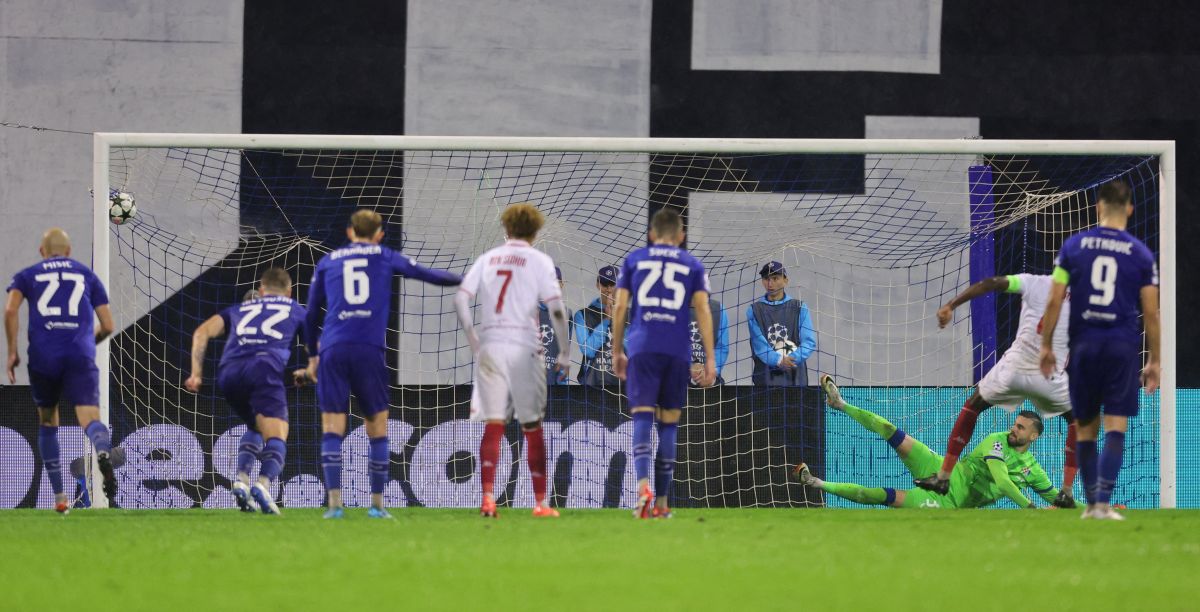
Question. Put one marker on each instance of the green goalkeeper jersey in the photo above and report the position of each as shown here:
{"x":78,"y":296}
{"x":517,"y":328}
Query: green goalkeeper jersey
{"x":976,"y":482}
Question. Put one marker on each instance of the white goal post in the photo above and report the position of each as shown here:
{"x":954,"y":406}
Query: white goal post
{"x":104,"y":143}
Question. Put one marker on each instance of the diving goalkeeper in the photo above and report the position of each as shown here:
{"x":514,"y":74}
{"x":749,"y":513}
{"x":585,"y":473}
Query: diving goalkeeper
{"x":1001,"y":466}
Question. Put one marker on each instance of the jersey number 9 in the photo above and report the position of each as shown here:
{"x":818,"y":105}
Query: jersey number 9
{"x":1104,"y":280}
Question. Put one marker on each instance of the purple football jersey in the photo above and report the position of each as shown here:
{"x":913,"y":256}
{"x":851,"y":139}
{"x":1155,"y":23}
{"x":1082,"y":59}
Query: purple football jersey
{"x":63,"y":295}
{"x":1107,"y":269}
{"x":661,"y":281}
{"x":264,"y":327}
{"x":354,"y":286}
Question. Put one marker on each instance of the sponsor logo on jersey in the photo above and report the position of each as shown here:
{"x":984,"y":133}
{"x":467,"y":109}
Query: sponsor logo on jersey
{"x":931,"y":503}
{"x":51,"y":325}
{"x":1089,"y":315}
{"x":353,"y":314}
{"x":665,"y":317}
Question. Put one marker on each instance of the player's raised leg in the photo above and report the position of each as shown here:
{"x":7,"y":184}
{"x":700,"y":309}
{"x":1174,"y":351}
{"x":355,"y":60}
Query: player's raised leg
{"x":920,"y":461}
{"x":101,"y":439}
{"x":871,"y":496}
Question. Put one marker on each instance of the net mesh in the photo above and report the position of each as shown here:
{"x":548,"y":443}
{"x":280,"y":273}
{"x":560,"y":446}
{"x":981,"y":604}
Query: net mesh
{"x":872,"y":244}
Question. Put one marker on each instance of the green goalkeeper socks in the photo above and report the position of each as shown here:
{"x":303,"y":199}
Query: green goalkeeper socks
{"x":873,"y":422}
{"x":856,"y":493}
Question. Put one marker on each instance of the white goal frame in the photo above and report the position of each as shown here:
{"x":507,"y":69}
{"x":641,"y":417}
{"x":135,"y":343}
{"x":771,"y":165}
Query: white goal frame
{"x":1164,"y":149}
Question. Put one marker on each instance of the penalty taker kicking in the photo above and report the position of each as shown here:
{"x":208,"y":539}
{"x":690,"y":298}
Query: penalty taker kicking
{"x":1001,"y":466}
{"x":510,"y":373}
{"x":262,"y":330}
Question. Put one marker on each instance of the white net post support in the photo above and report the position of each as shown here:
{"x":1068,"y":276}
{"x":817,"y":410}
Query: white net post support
{"x":101,"y":267}
{"x":1164,"y":150}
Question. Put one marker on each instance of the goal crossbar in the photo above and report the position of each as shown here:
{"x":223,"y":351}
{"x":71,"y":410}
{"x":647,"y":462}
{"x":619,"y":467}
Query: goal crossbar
{"x":103,"y":142}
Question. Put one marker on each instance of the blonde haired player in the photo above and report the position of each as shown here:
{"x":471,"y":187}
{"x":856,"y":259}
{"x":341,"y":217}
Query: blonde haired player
{"x":510,"y":375}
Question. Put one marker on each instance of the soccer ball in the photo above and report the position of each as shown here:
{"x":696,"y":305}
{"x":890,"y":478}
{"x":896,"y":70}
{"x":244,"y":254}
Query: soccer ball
{"x":120,"y":207}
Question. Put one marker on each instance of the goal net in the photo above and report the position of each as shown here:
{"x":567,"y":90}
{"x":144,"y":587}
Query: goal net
{"x":874,"y":236}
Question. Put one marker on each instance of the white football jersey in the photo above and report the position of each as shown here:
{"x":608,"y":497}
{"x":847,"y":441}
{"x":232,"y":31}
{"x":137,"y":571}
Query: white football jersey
{"x":1035,"y":295}
{"x":509,"y":281}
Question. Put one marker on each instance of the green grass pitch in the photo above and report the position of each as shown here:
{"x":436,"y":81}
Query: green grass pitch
{"x":599,"y":560}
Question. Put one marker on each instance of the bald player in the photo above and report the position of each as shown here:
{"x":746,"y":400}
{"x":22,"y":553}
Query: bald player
{"x":63,"y":294}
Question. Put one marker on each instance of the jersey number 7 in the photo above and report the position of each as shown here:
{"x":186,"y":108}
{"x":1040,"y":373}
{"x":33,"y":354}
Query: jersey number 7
{"x":507,"y":274}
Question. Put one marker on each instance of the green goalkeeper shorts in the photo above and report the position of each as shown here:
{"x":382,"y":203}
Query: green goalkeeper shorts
{"x":922,"y":462}
{"x":920,"y":498}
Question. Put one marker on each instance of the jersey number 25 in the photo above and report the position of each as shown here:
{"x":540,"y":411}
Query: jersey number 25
{"x":666,"y":271}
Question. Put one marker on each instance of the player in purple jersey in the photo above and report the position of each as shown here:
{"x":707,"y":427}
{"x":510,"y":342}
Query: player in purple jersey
{"x":1112,"y":279}
{"x":663,"y":280}
{"x":250,"y":376}
{"x":353,"y":285}
{"x":63,"y":294}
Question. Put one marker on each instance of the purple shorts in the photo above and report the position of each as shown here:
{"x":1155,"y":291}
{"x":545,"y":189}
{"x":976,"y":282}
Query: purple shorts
{"x":73,"y":379}
{"x":658,"y":380}
{"x":360,"y":369}
{"x":1104,"y":373}
{"x":252,"y":387}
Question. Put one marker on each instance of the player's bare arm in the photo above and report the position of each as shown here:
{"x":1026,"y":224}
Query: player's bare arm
{"x":104,"y":315}
{"x":214,"y":327}
{"x":983,"y":287}
{"x":462,"y":306}
{"x":620,"y":311}
{"x":704,"y":322}
{"x":12,"y":313}
{"x":1150,"y":320}
{"x":1058,"y":293}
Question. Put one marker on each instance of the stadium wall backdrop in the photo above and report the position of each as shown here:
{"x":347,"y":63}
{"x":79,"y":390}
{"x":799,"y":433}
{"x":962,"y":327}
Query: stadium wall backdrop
{"x":736,"y":448}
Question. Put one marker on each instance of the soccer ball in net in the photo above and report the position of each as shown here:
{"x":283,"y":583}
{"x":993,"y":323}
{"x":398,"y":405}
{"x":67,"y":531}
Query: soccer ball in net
{"x":121,"y":207}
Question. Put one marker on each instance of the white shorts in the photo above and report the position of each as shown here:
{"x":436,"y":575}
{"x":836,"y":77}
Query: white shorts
{"x":1008,"y":387}
{"x":509,"y":379}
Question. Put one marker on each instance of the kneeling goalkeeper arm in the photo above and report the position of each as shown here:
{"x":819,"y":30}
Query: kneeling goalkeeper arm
{"x":1007,"y":487}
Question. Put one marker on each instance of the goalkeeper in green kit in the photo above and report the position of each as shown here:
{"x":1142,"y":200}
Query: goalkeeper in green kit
{"x":1001,"y":466}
